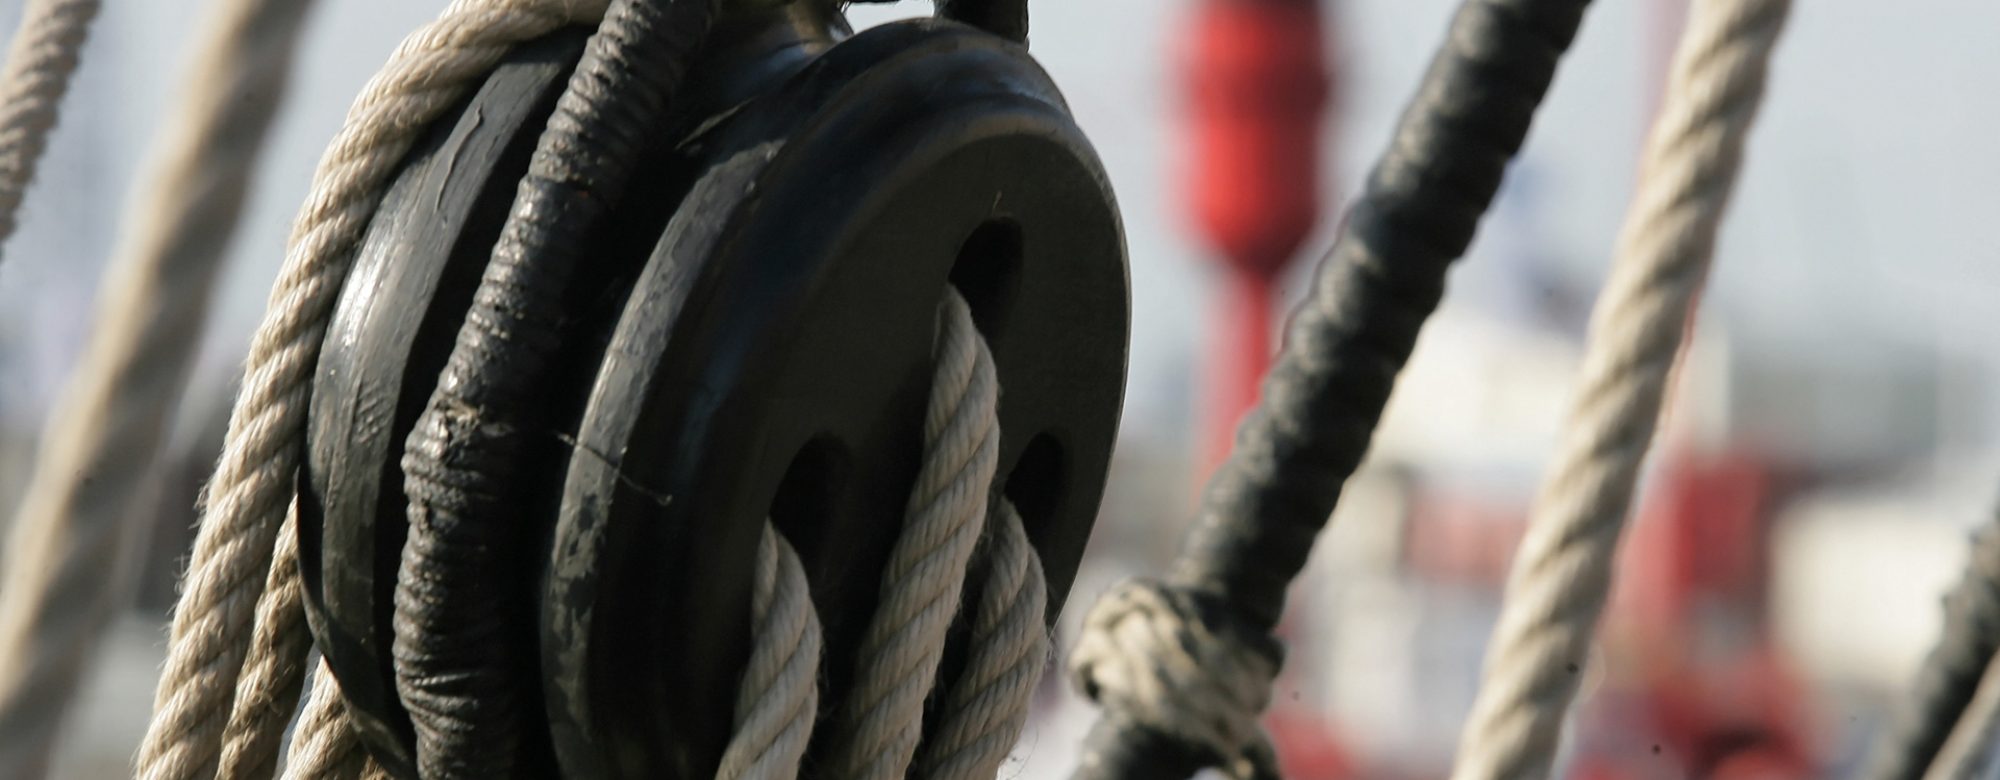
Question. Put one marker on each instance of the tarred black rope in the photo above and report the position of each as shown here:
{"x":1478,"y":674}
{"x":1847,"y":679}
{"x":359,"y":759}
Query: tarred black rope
{"x":464,"y":652}
{"x":1347,"y":342}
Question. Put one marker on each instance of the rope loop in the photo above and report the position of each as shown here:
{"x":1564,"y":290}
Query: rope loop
{"x":1173,"y":660}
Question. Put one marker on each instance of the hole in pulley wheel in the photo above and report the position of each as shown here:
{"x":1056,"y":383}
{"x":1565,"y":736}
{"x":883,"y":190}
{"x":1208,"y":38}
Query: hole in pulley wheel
{"x":987,"y":272}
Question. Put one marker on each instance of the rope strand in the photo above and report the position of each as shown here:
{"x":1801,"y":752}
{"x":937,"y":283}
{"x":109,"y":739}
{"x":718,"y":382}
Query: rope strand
{"x":987,"y":706}
{"x":1562,"y":572}
{"x":325,"y":746}
{"x":275,"y":669}
{"x":40,"y":62}
{"x":904,"y":643}
{"x":779,"y":696}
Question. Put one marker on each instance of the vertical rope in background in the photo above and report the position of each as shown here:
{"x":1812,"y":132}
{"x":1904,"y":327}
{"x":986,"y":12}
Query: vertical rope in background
{"x":40,"y":63}
{"x":1562,"y":572}
{"x":70,"y":556}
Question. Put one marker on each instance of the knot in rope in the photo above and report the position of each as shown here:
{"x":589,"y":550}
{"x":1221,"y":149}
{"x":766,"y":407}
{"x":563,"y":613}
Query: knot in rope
{"x":1163,"y":656}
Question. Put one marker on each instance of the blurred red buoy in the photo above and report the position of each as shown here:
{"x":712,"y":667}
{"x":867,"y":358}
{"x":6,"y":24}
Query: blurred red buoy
{"x":1258,"y":87}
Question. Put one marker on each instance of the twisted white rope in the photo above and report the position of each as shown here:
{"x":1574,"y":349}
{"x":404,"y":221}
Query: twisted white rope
{"x":987,"y":706}
{"x":899,"y":654}
{"x":778,"y":698}
{"x":78,"y":518}
{"x":253,"y":483}
{"x":1562,"y":572}
{"x":882,"y":719}
{"x":40,"y":62}
{"x":324,"y":747}
{"x":274,"y":669}
{"x":1147,"y":650}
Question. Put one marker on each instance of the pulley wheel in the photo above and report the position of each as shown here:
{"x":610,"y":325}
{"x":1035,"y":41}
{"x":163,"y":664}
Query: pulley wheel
{"x":774,"y":358}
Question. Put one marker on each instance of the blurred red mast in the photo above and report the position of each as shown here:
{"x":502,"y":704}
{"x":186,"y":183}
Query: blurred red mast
{"x":1259,"y":83}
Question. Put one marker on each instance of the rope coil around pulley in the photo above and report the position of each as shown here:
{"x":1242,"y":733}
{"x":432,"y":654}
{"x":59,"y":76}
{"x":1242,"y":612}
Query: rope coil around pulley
{"x":987,"y":696}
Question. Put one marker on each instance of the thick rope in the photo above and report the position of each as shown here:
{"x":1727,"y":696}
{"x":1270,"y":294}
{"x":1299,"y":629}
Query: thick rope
{"x":102,"y":444}
{"x":1945,"y":684}
{"x":253,"y":483}
{"x":458,"y":651}
{"x":275,"y":669}
{"x":778,"y":698}
{"x":40,"y":62}
{"x":324,"y":746}
{"x":882,"y":718}
{"x":1562,"y":573}
{"x":987,"y":706}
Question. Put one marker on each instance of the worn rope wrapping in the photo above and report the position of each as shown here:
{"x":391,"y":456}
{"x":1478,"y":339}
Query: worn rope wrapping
{"x":253,"y":483}
{"x":103,"y":442}
{"x":937,"y":549}
{"x":1327,"y":389}
{"x":1562,"y":571}
{"x":1946,"y":681}
{"x":457,"y":649}
{"x":40,"y":63}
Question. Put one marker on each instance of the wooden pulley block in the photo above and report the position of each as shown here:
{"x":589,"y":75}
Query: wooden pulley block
{"x":774,"y":360}
{"x":758,"y":346}
{"x":415,"y":274}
